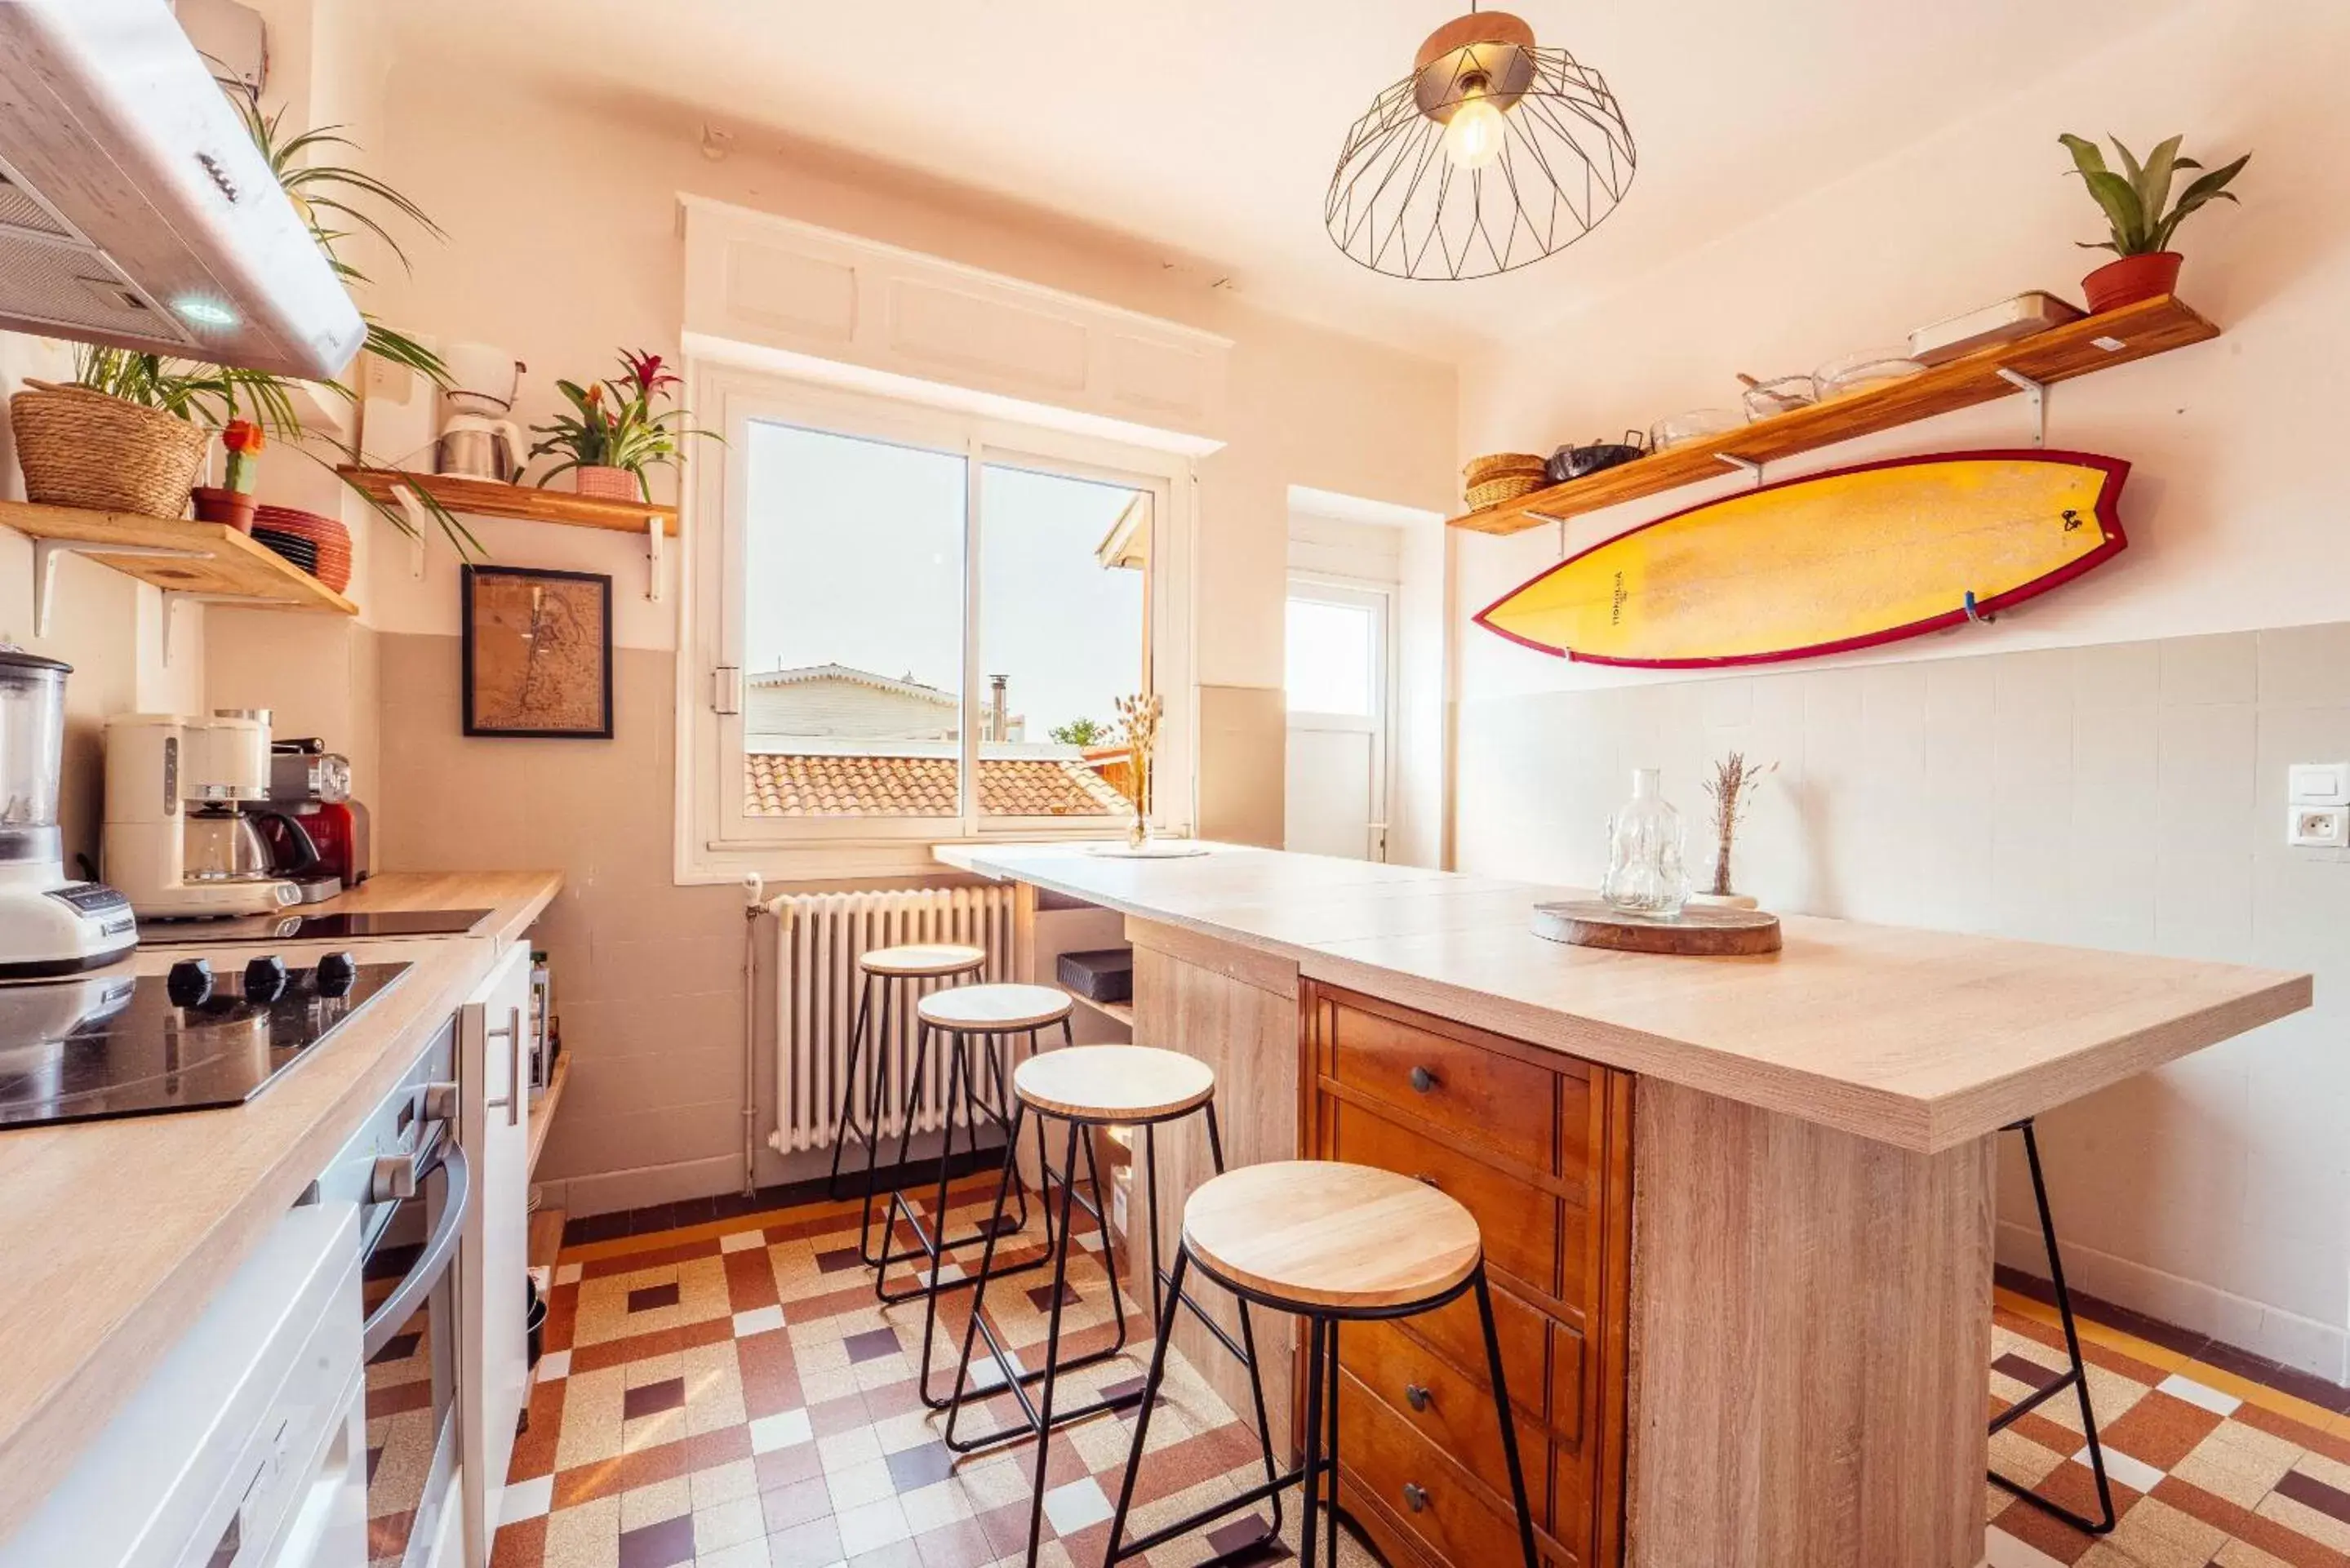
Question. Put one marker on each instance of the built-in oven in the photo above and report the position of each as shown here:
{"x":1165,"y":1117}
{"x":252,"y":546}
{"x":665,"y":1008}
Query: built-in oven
{"x":411,"y":1183}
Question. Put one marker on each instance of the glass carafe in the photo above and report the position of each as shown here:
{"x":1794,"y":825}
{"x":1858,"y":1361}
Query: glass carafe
{"x":1644,"y":851}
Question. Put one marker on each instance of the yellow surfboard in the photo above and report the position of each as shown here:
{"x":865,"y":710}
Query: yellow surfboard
{"x":1826,"y":563}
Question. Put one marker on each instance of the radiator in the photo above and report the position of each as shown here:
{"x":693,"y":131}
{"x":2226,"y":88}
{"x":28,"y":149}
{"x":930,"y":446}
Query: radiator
{"x":818,"y":939}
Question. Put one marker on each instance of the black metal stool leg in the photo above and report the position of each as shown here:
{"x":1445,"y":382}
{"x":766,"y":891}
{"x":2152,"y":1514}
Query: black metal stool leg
{"x":953,"y":1404}
{"x":1309,"y":1515}
{"x":880,"y":1261}
{"x":2077,"y":1377}
{"x":881,"y":1076}
{"x":1248,"y":1334}
{"x":1150,"y":1382}
{"x":1509,"y":1420}
{"x":1052,"y":1345}
{"x":840,"y":1123}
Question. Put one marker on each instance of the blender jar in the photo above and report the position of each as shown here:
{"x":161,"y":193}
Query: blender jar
{"x":32,"y":755}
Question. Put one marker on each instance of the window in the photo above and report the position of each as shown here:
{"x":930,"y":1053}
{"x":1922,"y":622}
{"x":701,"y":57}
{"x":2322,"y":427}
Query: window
{"x":1333,"y":656}
{"x":932,"y":618}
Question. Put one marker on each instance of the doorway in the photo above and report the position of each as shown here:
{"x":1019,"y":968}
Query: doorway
{"x":1339,"y":691}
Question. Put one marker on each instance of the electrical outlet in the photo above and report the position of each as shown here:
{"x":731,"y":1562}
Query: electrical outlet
{"x":2319,"y":826}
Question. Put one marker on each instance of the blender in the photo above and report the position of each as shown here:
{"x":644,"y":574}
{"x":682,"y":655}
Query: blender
{"x":49,"y":924}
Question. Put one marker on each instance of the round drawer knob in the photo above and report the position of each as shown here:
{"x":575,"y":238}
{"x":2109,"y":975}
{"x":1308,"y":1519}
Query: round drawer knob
{"x":1416,"y":1396}
{"x":1423,"y":1080}
{"x":1415,"y":1497}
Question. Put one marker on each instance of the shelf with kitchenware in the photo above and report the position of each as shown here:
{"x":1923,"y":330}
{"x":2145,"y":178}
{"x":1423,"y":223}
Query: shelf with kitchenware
{"x":2026,"y":365}
{"x":210,"y":562}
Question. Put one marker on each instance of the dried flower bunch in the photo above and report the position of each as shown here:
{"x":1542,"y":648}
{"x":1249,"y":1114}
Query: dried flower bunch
{"x":1732,"y":789}
{"x":1139,"y":719}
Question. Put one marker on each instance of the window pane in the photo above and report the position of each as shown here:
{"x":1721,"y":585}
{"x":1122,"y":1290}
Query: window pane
{"x":1062,"y":586}
{"x":1330,"y":651}
{"x":852,"y":595}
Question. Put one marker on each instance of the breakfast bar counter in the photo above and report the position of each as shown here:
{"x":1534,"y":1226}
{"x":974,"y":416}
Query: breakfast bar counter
{"x":1740,"y":1209}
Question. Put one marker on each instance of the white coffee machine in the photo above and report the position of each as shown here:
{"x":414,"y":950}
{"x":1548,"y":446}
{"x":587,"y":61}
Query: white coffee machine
{"x":179,"y":842}
{"x":49,"y":924}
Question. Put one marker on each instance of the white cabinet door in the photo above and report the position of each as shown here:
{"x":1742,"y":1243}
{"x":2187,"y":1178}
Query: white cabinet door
{"x":493,"y":1365}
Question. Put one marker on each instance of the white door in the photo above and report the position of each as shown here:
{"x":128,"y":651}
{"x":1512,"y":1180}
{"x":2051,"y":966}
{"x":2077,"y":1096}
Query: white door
{"x":1338,"y":688}
{"x":493,"y":1126}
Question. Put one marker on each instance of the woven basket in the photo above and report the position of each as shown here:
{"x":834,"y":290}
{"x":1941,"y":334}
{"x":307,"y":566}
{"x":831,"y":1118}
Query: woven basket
{"x":80,"y":447}
{"x":1480,"y":470}
{"x":333,"y":540}
{"x":606,"y":484}
{"x":1509,"y":487}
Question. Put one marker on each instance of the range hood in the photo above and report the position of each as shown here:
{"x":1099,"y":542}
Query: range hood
{"x":134,"y":209}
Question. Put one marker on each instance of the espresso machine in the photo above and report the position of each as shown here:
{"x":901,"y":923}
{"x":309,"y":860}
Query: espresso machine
{"x":49,"y":924}
{"x":182,"y":797}
{"x":319,"y":835}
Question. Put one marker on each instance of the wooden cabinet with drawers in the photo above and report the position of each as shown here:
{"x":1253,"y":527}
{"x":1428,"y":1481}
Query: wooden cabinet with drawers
{"x":1538,"y":1146}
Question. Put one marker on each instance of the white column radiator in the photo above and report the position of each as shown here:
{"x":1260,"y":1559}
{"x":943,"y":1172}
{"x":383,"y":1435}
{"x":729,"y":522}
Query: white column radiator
{"x":818,"y":939}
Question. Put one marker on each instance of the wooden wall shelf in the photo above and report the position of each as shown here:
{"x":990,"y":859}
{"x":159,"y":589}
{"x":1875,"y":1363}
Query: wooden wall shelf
{"x":2082,"y":348}
{"x":488,"y":498}
{"x":210,"y":562}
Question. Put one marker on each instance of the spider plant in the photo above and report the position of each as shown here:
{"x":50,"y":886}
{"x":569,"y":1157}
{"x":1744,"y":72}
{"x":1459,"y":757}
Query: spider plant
{"x":2134,"y":201}
{"x":623,"y":432}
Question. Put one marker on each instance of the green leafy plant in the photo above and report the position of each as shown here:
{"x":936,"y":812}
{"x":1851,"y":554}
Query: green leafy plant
{"x":2135,"y":200}
{"x":1080,"y":732}
{"x":613,"y":424}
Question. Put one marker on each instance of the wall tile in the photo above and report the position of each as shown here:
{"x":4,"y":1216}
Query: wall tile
{"x":2198,"y":670}
{"x":2305,"y":664}
{"x":2118,"y":675}
{"x":2204,"y":770}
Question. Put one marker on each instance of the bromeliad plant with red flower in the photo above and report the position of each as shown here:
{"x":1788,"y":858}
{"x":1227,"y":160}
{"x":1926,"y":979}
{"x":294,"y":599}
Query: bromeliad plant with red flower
{"x":614,"y":424}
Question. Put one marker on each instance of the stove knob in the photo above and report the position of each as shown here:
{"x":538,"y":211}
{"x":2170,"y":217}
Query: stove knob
{"x":336,"y":974}
{"x":393,"y":1178}
{"x":265,"y":978}
{"x":190,"y":983}
{"x":441,"y":1102}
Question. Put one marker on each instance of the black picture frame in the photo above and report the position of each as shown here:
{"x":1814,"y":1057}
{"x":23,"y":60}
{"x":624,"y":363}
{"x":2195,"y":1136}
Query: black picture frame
{"x":473,"y":577}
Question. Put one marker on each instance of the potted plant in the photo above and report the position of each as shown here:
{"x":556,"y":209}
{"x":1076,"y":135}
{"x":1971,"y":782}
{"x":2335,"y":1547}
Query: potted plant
{"x":128,"y":433}
{"x":232,"y":502}
{"x":613,"y":435}
{"x":2138,"y":206}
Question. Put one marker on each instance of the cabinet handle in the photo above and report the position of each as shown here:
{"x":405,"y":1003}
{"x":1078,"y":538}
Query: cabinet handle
{"x":1423,"y":1080}
{"x":512,"y":1104}
{"x":1415,"y":1497}
{"x":1415,"y":1396}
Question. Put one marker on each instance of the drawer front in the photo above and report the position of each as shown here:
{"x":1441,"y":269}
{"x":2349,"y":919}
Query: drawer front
{"x":1571,"y":1498}
{"x":1423,"y":1489}
{"x":1506,"y":1105}
{"x":1519,"y":1219}
{"x":1440,"y":1404}
{"x":1566,"y":1373}
{"x":1457,"y":1336}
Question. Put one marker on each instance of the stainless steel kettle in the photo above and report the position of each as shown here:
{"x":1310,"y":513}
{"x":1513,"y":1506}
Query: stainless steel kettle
{"x":476,"y":447}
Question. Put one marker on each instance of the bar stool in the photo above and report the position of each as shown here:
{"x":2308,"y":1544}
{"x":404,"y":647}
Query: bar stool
{"x":1335,"y":1243}
{"x":988,"y":1015}
{"x":1090,"y":1087}
{"x":2077,"y":1379}
{"x":892,"y":969}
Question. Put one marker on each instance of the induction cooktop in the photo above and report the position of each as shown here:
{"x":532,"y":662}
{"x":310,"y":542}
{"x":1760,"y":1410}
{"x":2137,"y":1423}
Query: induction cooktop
{"x":129,"y":1046}
{"x":326,"y":925}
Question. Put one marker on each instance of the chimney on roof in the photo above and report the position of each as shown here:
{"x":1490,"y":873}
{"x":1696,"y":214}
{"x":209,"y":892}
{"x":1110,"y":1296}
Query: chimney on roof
{"x":999,"y":712}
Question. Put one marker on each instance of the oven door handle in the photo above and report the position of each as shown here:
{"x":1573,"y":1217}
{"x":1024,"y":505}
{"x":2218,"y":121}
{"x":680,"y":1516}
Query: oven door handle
{"x":385,"y":1323}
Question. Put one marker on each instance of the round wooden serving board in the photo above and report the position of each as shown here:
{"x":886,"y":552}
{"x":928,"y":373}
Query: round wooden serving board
{"x":1697,"y":932}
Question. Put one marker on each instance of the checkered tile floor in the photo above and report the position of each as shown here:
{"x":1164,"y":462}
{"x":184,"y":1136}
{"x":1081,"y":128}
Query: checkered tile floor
{"x":729,"y":1394}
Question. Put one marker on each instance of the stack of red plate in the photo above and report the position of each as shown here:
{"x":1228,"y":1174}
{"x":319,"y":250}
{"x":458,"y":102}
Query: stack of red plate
{"x":327,"y":533}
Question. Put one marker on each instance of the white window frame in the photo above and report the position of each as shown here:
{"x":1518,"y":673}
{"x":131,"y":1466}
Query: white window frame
{"x":717,"y":840}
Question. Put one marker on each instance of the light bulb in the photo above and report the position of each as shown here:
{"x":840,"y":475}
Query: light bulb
{"x":1473,"y":137}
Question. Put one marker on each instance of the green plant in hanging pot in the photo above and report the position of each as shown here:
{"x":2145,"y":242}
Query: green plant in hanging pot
{"x":613,"y":433}
{"x":2143,"y":218}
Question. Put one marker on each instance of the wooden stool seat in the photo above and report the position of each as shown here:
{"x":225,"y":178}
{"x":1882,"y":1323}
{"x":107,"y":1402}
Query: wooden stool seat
{"x":995,"y":1009}
{"x":923,"y":960}
{"x":1319,"y":1233}
{"x":1113,"y":1083}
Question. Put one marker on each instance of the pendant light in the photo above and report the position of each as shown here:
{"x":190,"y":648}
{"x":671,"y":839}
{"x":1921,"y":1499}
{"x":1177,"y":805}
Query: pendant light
{"x":1492,"y":154}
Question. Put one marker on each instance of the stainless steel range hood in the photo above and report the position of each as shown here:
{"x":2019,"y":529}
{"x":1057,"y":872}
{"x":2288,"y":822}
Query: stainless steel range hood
{"x":134,"y":209}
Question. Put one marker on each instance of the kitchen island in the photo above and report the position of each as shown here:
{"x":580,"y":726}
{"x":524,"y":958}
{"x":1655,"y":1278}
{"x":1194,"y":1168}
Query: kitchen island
{"x":1740,"y":1210}
{"x":116,"y":1234}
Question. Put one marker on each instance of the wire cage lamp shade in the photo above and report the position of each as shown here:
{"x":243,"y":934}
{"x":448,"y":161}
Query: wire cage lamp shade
{"x":1492,"y":154}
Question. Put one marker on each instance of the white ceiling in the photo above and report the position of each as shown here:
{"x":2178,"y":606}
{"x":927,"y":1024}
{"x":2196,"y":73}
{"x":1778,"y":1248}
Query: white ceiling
{"x":1210,"y":127}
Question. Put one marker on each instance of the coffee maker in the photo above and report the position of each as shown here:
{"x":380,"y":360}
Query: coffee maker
{"x":49,"y":924}
{"x":477,"y":440}
{"x":181,"y":839}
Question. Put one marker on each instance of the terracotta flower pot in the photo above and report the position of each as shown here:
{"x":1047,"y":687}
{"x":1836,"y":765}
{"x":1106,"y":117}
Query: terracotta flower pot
{"x":607,"y":483}
{"x":216,"y":505}
{"x":2129,"y":279}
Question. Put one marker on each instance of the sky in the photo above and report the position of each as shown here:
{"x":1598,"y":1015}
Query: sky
{"x":853,"y":555}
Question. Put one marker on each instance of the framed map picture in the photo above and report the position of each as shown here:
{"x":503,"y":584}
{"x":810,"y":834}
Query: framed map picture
{"x":538,"y":653}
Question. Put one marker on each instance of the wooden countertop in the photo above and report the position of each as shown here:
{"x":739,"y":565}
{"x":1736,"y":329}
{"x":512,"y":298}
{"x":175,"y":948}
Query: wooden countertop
{"x":113,"y":1235}
{"x":1919,"y":1039}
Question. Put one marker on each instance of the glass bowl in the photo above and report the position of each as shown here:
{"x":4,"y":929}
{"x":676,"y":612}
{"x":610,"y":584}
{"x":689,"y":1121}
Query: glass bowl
{"x":1859,"y":372}
{"x":1690,"y":424}
{"x":1779,"y":395}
